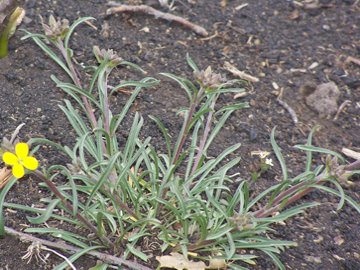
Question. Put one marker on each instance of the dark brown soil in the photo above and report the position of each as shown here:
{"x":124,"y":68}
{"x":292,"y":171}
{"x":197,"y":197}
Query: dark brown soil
{"x":275,"y":40}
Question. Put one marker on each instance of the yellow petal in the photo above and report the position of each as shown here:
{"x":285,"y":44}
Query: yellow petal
{"x":30,"y":163}
{"x":18,"y":170}
{"x":9,"y":158}
{"x":22,"y":150}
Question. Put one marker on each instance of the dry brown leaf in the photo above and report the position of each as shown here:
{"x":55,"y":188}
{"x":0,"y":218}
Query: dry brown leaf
{"x":216,"y":264}
{"x":5,"y":175}
{"x":350,"y":153}
{"x":179,"y":262}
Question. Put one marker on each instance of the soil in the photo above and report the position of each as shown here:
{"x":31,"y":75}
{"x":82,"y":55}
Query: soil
{"x":288,"y":47}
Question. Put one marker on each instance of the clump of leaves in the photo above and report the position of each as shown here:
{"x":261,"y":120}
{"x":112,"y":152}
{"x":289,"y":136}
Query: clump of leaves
{"x":135,"y":199}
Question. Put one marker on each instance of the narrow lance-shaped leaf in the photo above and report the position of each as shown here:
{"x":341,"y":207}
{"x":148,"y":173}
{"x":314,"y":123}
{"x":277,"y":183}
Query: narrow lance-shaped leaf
{"x":279,"y":155}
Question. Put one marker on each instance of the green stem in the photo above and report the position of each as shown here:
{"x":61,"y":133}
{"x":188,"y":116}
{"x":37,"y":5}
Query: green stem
{"x":187,"y":125}
{"x":4,"y":42}
{"x":76,"y":80}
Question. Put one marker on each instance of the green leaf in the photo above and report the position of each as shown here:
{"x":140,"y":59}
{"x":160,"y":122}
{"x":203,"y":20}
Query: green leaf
{"x":217,"y":129}
{"x":3,"y":193}
{"x":231,"y":244}
{"x":165,"y":133}
{"x":38,"y":211}
{"x":275,"y":259}
{"x":55,"y":231}
{"x":319,"y":150}
{"x":49,"y":52}
{"x":132,"y":65}
{"x":103,"y":178}
{"x":279,"y":155}
{"x":237,"y":267}
{"x":185,"y":84}
{"x":341,"y":193}
{"x":233,"y":107}
{"x":347,"y":198}
{"x":100,"y":266}
{"x":75,"y":257}
{"x":70,"y":239}
{"x":289,"y":213}
{"x":263,"y":244}
{"x":137,"y":252}
{"x":45,"y":214}
{"x":116,"y":121}
{"x":42,"y":141}
{"x":309,"y":143}
{"x":191,"y":63}
{"x":261,"y":195}
{"x":72,"y":89}
{"x":72,"y":28}
{"x":150,"y":82}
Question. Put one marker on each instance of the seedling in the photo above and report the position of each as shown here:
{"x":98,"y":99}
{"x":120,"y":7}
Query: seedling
{"x":11,"y":16}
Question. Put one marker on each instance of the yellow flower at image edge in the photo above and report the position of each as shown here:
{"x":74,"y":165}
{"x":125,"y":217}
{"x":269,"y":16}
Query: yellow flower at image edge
{"x":20,"y":160}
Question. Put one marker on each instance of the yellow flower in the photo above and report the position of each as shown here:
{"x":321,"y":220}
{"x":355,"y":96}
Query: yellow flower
{"x":20,"y":160}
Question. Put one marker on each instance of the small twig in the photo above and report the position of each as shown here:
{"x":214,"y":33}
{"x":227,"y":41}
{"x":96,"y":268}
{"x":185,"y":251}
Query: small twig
{"x":241,"y":74}
{"x":71,"y":249}
{"x":16,"y":132}
{"x":353,"y":166}
{"x":288,"y":108}
{"x":211,"y":37}
{"x":60,"y":255}
{"x":241,"y":6}
{"x":351,"y":59}
{"x":118,"y":8}
{"x":341,"y":108}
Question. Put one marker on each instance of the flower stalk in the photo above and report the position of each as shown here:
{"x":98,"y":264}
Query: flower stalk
{"x":205,"y":136}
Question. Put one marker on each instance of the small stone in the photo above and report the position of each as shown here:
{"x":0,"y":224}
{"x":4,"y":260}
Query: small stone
{"x":18,"y":92}
{"x":318,"y":240}
{"x":324,"y":99}
{"x":339,"y":240}
{"x":313,"y":259}
{"x":314,"y":65}
{"x":275,"y":85}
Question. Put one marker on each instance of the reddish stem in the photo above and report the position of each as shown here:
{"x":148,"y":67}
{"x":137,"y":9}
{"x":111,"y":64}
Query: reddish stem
{"x":70,"y":208}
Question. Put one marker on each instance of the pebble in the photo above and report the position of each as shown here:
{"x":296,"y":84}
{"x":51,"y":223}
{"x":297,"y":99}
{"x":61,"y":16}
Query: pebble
{"x":326,"y":27}
{"x":324,"y":99}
